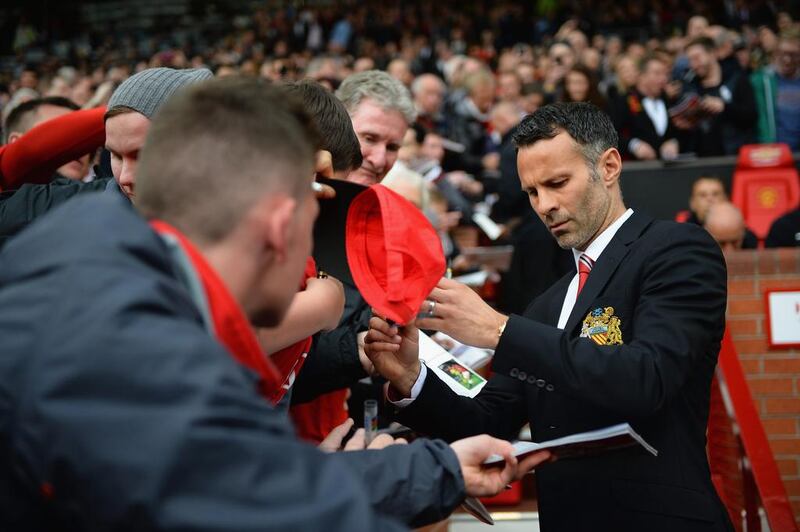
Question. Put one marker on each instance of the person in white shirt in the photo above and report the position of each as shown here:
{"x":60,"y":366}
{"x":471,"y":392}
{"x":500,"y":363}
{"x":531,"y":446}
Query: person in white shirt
{"x":642,"y":120}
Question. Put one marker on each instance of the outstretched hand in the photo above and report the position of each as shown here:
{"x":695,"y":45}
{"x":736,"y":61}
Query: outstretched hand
{"x":333,"y":441}
{"x":459,"y":312}
{"x":482,"y":481}
{"x":394,"y":352}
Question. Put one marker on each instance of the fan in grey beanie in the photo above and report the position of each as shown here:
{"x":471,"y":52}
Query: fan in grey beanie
{"x":146,"y":91}
{"x":129,"y":112}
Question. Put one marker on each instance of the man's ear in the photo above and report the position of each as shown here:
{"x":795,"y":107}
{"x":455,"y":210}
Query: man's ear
{"x":324,"y":164}
{"x":610,"y":166}
{"x":13,"y":137}
{"x":276,"y":225}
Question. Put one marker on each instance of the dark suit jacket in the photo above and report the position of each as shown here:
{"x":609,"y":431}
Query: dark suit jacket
{"x":667,"y":284}
{"x":633,"y":122}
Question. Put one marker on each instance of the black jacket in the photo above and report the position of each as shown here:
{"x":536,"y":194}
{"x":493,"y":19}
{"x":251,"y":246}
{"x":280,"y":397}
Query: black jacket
{"x":20,"y":207}
{"x":511,"y":202}
{"x":725,"y":133}
{"x":333,"y":362}
{"x":633,"y":122}
{"x":119,"y":411}
{"x":666,"y":283}
{"x":785,"y":231}
{"x":467,"y":130}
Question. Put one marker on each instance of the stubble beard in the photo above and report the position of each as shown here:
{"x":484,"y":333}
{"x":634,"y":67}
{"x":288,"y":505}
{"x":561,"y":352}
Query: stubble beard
{"x":592,"y":211}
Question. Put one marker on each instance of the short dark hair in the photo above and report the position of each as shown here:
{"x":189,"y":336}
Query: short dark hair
{"x":590,"y":127}
{"x":216,"y":147}
{"x":651,"y":57}
{"x":711,"y":177}
{"x":705,"y":42}
{"x":593,"y":95}
{"x":333,"y":122}
{"x":20,"y":119}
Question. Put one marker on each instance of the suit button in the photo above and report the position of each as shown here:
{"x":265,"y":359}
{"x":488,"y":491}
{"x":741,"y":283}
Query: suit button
{"x":522,"y":375}
{"x":514,"y":372}
{"x":549,"y":387}
{"x":531,"y":379}
{"x":540,"y":383}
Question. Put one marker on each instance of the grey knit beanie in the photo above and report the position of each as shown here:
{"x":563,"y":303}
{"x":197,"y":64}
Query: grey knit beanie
{"x":146,"y":91}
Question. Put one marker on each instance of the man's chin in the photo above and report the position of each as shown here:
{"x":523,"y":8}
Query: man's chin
{"x":567,"y":240}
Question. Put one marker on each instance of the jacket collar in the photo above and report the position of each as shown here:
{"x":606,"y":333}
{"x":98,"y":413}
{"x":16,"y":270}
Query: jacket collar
{"x":607,"y":264}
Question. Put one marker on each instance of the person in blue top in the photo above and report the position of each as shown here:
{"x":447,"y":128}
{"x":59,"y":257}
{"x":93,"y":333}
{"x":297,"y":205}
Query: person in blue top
{"x":777,"y":92}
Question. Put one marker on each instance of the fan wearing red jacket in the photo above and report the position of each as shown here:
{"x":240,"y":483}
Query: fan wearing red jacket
{"x":37,"y":154}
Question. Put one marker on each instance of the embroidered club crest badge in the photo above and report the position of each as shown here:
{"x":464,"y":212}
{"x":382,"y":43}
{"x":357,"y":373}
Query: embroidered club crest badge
{"x":602,"y":327}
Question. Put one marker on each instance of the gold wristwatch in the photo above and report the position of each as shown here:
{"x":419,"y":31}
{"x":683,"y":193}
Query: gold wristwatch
{"x":502,"y":328}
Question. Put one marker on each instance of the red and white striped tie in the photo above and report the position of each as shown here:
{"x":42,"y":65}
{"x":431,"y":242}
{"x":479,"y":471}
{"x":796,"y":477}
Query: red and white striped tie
{"x":585,"y":264}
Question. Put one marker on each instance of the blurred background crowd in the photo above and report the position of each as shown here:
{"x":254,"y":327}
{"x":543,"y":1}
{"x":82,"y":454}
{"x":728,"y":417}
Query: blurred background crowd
{"x":484,"y":54}
{"x":681,"y":80}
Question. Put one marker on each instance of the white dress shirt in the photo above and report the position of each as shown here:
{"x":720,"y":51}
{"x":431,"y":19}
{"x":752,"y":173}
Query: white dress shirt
{"x":594,"y":251}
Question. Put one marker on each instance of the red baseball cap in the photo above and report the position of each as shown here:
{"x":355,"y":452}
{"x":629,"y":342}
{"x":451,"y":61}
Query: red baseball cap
{"x":394,"y":253}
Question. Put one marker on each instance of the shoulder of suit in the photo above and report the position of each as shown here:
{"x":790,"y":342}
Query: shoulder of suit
{"x":665,"y":233}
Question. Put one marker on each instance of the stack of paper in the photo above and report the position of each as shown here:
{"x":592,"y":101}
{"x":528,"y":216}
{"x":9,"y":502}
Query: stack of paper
{"x":583,"y":443}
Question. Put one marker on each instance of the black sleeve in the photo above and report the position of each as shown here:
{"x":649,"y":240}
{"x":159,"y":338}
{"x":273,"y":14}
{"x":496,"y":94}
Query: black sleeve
{"x":622,"y":119}
{"x":680,"y":309}
{"x":742,"y":110}
{"x":332,"y":364}
{"x":782,"y":233}
{"x":20,"y":207}
{"x":498,"y":410}
{"x":512,"y":202}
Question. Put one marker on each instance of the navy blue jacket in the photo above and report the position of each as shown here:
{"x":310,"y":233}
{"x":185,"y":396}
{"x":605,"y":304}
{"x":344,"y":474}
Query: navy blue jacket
{"x":118,"y":411}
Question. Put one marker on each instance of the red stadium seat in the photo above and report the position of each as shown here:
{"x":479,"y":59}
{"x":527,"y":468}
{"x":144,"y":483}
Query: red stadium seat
{"x":765,"y":185}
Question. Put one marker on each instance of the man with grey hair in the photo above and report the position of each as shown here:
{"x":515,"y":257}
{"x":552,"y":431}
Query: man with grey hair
{"x":163,"y":391}
{"x":381,"y":110}
{"x":429,"y":91}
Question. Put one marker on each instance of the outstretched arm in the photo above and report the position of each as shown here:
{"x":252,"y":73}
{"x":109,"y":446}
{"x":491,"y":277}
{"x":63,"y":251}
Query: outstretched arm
{"x":42,"y":150}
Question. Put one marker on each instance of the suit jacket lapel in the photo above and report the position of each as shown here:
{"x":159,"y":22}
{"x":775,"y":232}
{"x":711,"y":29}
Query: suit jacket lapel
{"x":546,"y":308}
{"x":555,"y":303}
{"x":648,"y":122}
{"x":607,"y":264}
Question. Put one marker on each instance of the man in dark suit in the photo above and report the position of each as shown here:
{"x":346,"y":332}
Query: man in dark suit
{"x":632,"y":337}
{"x":642,"y":120}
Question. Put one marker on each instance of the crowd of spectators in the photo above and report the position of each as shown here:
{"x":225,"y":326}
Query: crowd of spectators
{"x":679,"y":80}
{"x":698,"y":58}
{"x":426,"y":99}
